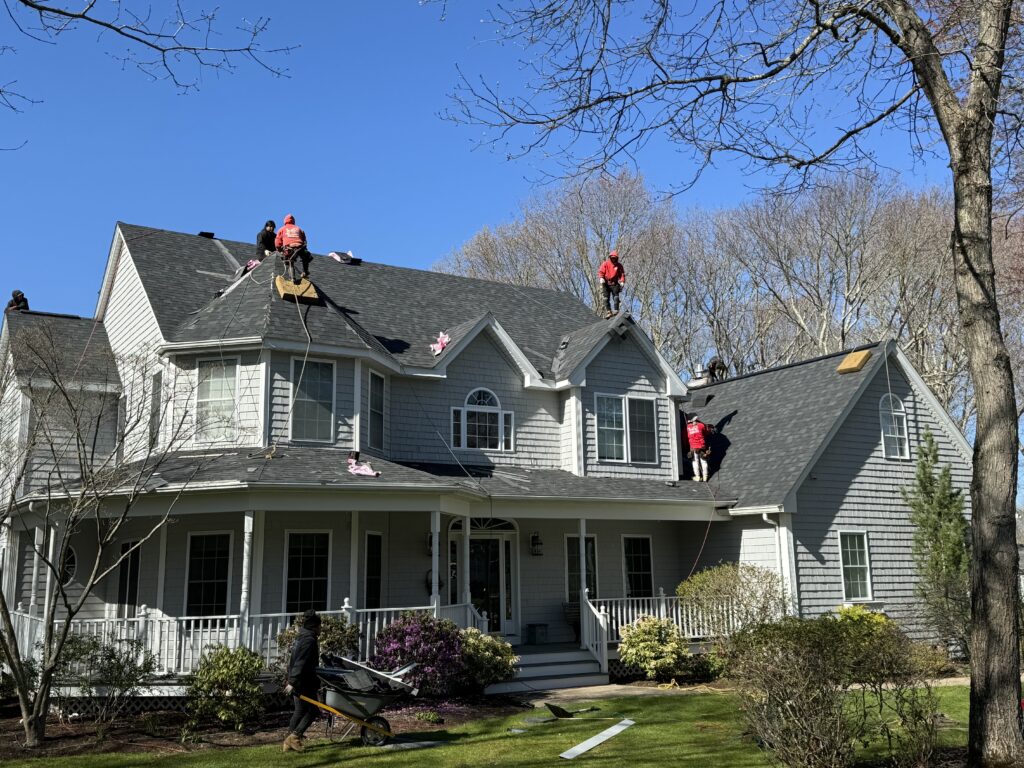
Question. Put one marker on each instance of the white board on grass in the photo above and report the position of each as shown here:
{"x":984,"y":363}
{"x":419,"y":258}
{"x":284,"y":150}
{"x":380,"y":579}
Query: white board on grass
{"x":593,"y":741}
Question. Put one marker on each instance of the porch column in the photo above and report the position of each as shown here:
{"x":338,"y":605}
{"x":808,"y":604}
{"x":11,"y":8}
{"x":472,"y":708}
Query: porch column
{"x":467,"y":596}
{"x":161,"y":569}
{"x":10,"y":584}
{"x":243,"y":600}
{"x":37,"y":547}
{"x":353,"y":562}
{"x":435,"y":559}
{"x":50,"y":555}
{"x":583,"y":580}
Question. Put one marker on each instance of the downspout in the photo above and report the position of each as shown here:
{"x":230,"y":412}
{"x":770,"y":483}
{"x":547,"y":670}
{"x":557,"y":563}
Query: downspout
{"x":778,"y":545}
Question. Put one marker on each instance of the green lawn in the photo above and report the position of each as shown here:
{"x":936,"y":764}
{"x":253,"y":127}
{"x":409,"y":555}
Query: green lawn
{"x":682,"y":730}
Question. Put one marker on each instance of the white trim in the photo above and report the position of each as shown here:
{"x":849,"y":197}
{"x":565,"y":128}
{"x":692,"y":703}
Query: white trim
{"x":787,"y":558}
{"x":597,"y":430}
{"x":893,"y":412}
{"x":575,"y":405}
{"x":231,"y":567}
{"x":464,"y":411}
{"x":867,"y":557}
{"x":353,"y":558}
{"x":357,"y":404}
{"x":597,"y":569}
{"x":259,"y":535}
{"x":70,"y":550}
{"x":264,"y":396}
{"x":921,"y":388}
{"x":369,"y":409}
{"x":622,"y":550}
{"x":675,"y":436}
{"x":161,"y":566}
{"x":532,"y":378}
{"x":768,"y":509}
{"x":234,"y":408}
{"x":284,"y":565}
{"x":366,"y":558}
{"x":334,"y":398}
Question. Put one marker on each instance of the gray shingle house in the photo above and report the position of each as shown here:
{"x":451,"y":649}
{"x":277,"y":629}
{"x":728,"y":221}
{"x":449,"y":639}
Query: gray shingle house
{"x":532,"y":475}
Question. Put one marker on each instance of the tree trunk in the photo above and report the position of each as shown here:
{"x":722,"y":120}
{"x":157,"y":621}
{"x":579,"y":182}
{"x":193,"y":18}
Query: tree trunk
{"x":995,"y":721}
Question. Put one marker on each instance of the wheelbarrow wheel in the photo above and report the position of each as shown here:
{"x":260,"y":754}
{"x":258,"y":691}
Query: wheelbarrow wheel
{"x":372,"y":738}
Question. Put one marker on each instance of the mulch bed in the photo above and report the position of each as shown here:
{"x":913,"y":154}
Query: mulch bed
{"x":161,"y":732}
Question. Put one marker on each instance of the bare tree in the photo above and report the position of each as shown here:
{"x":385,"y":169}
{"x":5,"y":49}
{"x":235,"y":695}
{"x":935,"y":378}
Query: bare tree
{"x":767,"y":81}
{"x":178,"y":45}
{"x":65,"y":478}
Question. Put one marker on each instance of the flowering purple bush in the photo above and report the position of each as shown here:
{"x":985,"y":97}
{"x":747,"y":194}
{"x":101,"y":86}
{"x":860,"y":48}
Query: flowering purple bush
{"x":434,"y":644}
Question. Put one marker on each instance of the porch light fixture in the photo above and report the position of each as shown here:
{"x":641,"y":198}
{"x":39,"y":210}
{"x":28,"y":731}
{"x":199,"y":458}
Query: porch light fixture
{"x":536,"y":545}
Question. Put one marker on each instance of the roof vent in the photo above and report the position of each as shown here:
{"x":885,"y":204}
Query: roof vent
{"x":207,"y":235}
{"x":854,"y":361}
{"x":700,"y":377}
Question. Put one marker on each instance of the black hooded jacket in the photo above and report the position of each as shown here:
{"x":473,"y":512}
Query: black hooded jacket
{"x":265,"y":240}
{"x":302,"y":666}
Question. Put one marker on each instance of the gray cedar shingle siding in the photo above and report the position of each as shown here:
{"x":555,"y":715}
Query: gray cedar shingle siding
{"x":853,"y":487}
{"x":621,"y":368}
{"x":423,"y":408}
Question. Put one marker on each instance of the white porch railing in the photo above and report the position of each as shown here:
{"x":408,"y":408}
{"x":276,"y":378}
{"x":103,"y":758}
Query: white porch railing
{"x":693,"y":622}
{"x":594,"y":632}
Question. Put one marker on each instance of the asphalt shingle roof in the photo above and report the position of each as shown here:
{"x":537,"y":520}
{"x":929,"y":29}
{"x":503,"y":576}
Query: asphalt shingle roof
{"x":394,"y":309}
{"x":75,"y":345}
{"x":770,"y":423}
{"x":327,"y":467}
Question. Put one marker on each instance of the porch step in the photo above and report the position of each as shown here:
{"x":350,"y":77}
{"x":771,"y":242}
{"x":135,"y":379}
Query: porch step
{"x":550,"y":670}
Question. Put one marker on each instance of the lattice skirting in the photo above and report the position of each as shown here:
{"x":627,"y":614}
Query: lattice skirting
{"x":620,"y":672}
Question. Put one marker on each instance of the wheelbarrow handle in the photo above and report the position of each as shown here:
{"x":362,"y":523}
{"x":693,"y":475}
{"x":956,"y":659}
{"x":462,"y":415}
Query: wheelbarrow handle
{"x":337,"y":713}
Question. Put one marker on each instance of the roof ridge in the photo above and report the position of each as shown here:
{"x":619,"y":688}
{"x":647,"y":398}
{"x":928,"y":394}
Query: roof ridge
{"x":63,"y":315}
{"x":784,"y":366}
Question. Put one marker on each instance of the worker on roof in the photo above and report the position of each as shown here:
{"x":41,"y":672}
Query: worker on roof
{"x":18,"y":302}
{"x":266,"y":240}
{"x":612,"y":278}
{"x":291,"y":241}
{"x":697,"y":435}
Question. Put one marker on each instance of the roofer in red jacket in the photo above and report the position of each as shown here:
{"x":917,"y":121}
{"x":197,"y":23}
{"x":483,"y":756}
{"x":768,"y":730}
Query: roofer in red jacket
{"x":291,"y":241}
{"x":612,"y":277}
{"x":697,"y":434}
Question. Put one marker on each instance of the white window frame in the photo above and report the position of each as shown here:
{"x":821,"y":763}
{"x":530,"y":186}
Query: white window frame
{"x":898,"y":415}
{"x":334,"y":397}
{"x":234,"y":407}
{"x":231,"y":568}
{"x":503,"y":437}
{"x":597,"y":570}
{"x":622,"y":549}
{"x":284,"y":563}
{"x":867,"y":560}
{"x":627,"y":444}
{"x":366,"y":559}
{"x":370,"y":412}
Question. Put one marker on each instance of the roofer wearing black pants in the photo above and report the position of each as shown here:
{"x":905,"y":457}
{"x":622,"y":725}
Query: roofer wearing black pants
{"x":302,"y":680}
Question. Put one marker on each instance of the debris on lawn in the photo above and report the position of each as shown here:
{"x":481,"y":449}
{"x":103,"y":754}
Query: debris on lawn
{"x":600,"y":738}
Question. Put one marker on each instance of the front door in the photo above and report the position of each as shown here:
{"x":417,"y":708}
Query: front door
{"x":492,"y":578}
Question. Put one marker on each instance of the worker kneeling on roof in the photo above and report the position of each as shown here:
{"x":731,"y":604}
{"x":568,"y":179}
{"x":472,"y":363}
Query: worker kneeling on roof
{"x":291,"y":241}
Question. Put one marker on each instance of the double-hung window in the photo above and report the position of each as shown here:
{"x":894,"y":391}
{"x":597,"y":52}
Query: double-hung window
{"x":893,"y":416}
{"x":375,"y":434}
{"x":572,"y":559}
{"x":638,"y":566}
{"x":627,"y":429}
{"x":853,"y":551}
{"x":209,"y":568}
{"x":308,"y":571}
{"x":481,"y":424}
{"x":313,"y":405}
{"x":215,"y":400}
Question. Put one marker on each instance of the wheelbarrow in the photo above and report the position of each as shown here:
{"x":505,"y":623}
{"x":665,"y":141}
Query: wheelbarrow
{"x":357,"y":692}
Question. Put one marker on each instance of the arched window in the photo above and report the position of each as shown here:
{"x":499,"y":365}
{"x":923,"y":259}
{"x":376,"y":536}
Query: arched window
{"x":69,"y":567}
{"x":893,"y":417}
{"x":480,"y":423}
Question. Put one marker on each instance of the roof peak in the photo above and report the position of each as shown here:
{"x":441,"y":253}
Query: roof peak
{"x":62,"y":315}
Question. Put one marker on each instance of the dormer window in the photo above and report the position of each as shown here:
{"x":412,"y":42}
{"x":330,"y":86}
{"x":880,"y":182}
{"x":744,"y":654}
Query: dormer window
{"x":893,"y":416}
{"x":481,"y":424}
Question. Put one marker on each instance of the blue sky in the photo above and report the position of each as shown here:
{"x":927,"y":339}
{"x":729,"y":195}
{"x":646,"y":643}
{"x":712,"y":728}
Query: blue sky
{"x":351,"y":143}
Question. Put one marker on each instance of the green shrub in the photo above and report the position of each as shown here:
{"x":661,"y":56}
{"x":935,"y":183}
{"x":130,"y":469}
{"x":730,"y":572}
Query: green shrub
{"x":812,"y":689}
{"x":703,"y":667}
{"x":655,"y":647}
{"x":429,"y":716}
{"x":337,"y":637}
{"x":224,"y":688}
{"x":733,"y":595}
{"x":113,"y":674}
{"x":486,"y":659}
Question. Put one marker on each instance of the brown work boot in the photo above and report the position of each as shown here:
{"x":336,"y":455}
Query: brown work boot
{"x":292,"y":743}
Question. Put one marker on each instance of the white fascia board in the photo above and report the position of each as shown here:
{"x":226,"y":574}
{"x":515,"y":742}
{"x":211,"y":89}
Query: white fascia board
{"x":531,"y":376}
{"x":109,"y":272}
{"x":623,"y":510}
{"x":174,"y":347}
{"x":769,"y":509}
{"x":922,"y":388}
